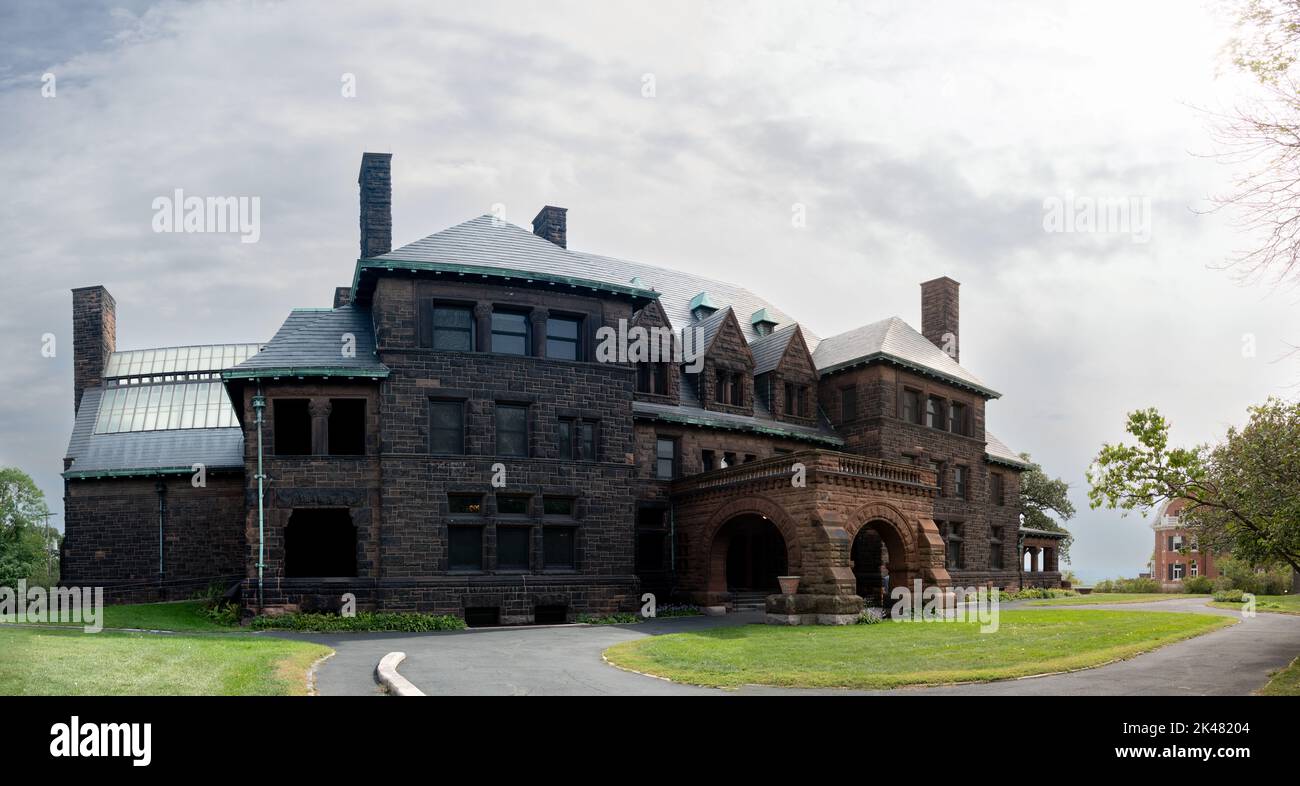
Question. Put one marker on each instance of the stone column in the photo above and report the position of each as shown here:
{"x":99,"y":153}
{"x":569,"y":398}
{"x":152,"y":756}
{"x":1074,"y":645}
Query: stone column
{"x":483,"y":327}
{"x":538,"y":318}
{"x":320,"y":426}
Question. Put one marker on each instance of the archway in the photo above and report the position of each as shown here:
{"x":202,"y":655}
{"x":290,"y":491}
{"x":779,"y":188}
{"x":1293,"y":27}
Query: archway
{"x":879,"y":560}
{"x":748,"y":553}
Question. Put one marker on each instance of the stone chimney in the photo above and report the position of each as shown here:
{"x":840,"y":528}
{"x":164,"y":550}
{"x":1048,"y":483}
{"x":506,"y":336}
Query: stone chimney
{"x":94,"y":338}
{"x":550,"y":224}
{"x":376,"y":181}
{"x":939,"y":321}
{"x":342,"y":296}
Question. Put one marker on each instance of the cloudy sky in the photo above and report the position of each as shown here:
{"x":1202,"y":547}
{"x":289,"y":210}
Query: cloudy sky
{"x":920,"y":139}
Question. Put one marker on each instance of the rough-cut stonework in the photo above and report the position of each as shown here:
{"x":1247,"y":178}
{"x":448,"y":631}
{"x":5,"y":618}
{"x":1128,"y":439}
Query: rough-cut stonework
{"x":850,"y":502}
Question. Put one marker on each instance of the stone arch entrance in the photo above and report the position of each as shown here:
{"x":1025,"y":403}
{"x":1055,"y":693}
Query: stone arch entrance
{"x":879,"y":559}
{"x":749,"y":552}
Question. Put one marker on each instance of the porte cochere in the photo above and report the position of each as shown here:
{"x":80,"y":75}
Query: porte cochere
{"x":849,"y":527}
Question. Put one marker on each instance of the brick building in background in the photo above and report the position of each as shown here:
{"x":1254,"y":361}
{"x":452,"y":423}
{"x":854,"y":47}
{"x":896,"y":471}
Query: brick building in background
{"x":1176,"y":556}
{"x":452,"y":436}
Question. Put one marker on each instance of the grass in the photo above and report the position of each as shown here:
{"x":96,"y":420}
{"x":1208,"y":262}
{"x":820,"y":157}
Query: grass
{"x":1284,"y":682}
{"x":907,"y":653}
{"x":185,"y":615}
{"x":1113,"y":597}
{"x":1278,"y":604}
{"x":71,"y":663}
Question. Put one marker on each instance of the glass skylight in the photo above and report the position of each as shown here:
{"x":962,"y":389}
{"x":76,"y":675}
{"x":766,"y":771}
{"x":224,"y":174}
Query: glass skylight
{"x":177,"y":360}
{"x":164,"y":407}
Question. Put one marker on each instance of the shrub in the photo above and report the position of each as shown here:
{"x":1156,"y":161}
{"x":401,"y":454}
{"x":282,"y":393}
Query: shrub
{"x":870,"y":616}
{"x":1037,"y":593}
{"x":620,"y":618}
{"x":1199,"y":585}
{"x":225,"y":614}
{"x":1127,"y":586}
{"x":677,"y":610}
{"x":1237,"y":574}
{"x":365,"y":620}
{"x":1230,"y":596}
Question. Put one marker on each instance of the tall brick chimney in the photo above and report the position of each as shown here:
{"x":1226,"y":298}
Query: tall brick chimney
{"x":376,"y":182}
{"x":939,"y":321}
{"x":94,"y":337}
{"x":550,"y":224}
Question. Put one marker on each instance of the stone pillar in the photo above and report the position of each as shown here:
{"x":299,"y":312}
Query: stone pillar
{"x":320,"y":426}
{"x":827,"y":592}
{"x":537,"y":317}
{"x":483,"y":327}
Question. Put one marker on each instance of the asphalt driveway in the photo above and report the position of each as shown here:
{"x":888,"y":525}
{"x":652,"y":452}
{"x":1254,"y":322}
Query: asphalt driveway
{"x":566,"y":660}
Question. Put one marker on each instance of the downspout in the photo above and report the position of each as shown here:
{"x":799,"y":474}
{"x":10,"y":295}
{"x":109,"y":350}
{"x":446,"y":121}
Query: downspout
{"x":259,"y":404}
{"x":161,"y":488}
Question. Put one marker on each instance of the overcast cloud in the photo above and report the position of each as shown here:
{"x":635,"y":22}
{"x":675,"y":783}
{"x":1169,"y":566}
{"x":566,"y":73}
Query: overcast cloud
{"x":922,"y":139}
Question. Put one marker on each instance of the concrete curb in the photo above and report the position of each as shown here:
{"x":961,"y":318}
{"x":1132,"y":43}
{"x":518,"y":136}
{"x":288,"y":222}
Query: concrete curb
{"x":396,"y":684}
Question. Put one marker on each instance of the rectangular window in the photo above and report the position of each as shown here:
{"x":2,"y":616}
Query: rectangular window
{"x":849,"y":403}
{"x":565,"y":437}
{"x":514,"y":547}
{"x":557,"y":506}
{"x":347,"y":427}
{"x":911,"y":405}
{"x":728,"y":459}
{"x":512,"y":430}
{"x":737,"y":390}
{"x":720,"y":387}
{"x":465,"y":548}
{"x":563,"y":338}
{"x":995,"y":548}
{"x":960,"y":475}
{"x":557,"y":547}
{"x":447,"y":328}
{"x":587,"y":440}
{"x":447,"y":427}
{"x":659,"y":378}
{"x":1177,"y":571}
{"x":955,"y":557}
{"x":465,"y":504}
{"x":1176,"y":543}
{"x":512,"y":505}
{"x":707,"y":460}
{"x":957,"y":418}
{"x":1195,"y":568}
{"x":510,"y":335}
{"x":750,"y":457}
{"x":937,"y":468}
{"x":790,"y":397}
{"x":292,"y":422}
{"x":996,"y":495}
{"x":665,"y":458}
{"x":934,"y":413}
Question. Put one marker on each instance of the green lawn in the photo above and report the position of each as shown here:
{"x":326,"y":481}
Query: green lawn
{"x":892,"y":654}
{"x":71,"y":663}
{"x":1284,"y":682}
{"x":182,"y":615}
{"x":1278,"y":604}
{"x":1114,"y":597}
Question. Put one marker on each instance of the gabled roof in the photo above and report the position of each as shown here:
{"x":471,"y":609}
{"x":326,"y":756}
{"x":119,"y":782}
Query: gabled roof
{"x":709,"y":328}
{"x":695,"y":416}
{"x":896,"y":341}
{"x":769,"y":350}
{"x":311,"y":343}
{"x":147,"y":452}
{"x":997,"y":452}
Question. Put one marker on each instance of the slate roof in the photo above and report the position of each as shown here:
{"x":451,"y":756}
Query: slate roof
{"x":769,"y":349}
{"x":694,"y":415}
{"x":311,"y":343}
{"x":894,"y":340}
{"x":997,"y":451}
{"x":149,"y":452}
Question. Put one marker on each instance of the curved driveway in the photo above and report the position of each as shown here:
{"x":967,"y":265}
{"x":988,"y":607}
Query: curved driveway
{"x":566,"y":660}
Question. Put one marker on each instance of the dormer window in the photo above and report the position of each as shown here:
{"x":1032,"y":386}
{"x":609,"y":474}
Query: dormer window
{"x":762,"y":322}
{"x":702,"y":306}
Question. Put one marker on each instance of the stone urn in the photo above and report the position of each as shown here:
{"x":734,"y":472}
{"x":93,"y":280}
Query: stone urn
{"x":789,"y":584}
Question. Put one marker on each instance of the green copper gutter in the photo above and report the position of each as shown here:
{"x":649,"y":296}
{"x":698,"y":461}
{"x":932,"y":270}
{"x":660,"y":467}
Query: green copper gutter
{"x":304,"y":371}
{"x":923,"y":370}
{"x":395,"y":265}
{"x":91,"y":474}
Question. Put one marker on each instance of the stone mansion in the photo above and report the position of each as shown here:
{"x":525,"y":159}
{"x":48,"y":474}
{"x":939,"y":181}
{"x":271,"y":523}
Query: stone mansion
{"x":448,"y":438}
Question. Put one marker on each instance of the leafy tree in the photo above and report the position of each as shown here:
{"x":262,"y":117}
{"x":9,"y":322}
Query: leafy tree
{"x":1243,"y":494}
{"x":22,"y":512}
{"x":1041,"y":496}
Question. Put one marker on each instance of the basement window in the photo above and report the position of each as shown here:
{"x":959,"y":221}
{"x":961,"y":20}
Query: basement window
{"x":483,"y":616}
{"x":347,"y":424}
{"x":320,"y":542}
{"x":550,"y":615}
